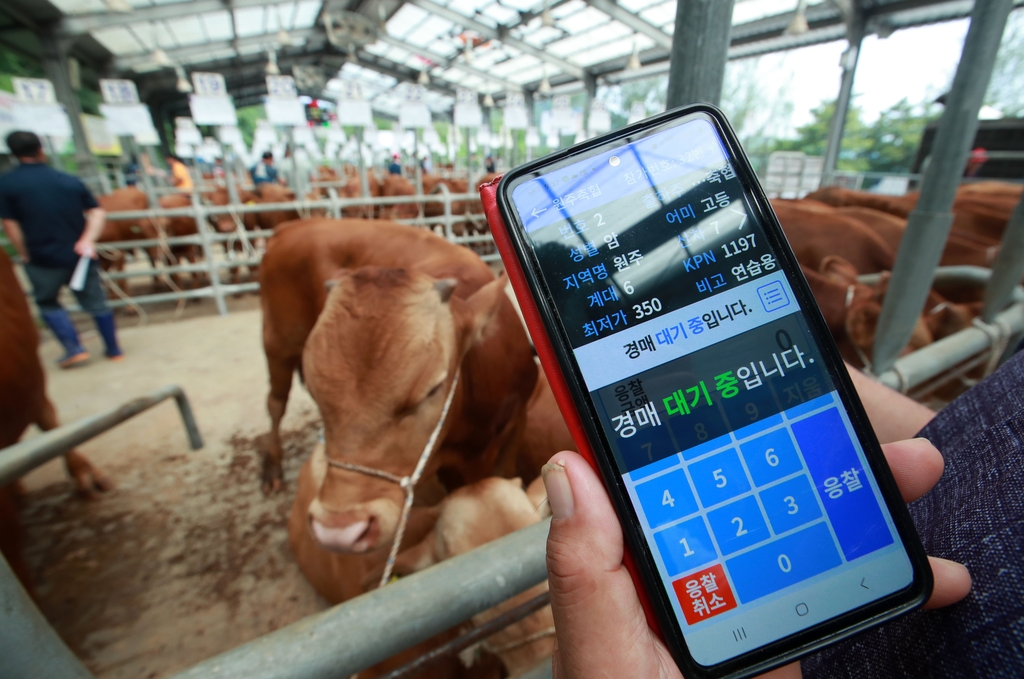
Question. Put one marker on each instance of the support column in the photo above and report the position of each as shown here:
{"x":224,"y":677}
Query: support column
{"x":55,"y":64}
{"x":855,"y":36}
{"x":1008,"y":267}
{"x":928,"y":225}
{"x":590,"y":85}
{"x":700,"y":48}
{"x":29,"y":646}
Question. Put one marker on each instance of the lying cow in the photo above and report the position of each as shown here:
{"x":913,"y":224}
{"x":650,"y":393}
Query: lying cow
{"x":23,"y":402}
{"x":815,"y":232}
{"x":408,"y":308}
{"x":473,"y":516}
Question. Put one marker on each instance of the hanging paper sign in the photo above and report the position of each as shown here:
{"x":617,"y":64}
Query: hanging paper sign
{"x":99,"y":139}
{"x":208,"y":150}
{"x":414,"y":111}
{"x":467,"y":111}
{"x":516,"y":116}
{"x":281,"y":87}
{"x":303,"y":136}
{"x":34,"y":90}
{"x":600,"y":120}
{"x":356,"y":113}
{"x":229,"y":135}
{"x":552,"y":141}
{"x":186,"y":132}
{"x":210,"y":110}
{"x":127,"y":120}
{"x":532,"y":137}
{"x":561,"y":114}
{"x":209,"y":85}
{"x":119,"y":91}
{"x":637,"y":112}
{"x":148,"y":138}
{"x":46,"y":120}
{"x":336,"y":135}
{"x":184,"y":150}
{"x":7,"y":119}
{"x":285,"y":112}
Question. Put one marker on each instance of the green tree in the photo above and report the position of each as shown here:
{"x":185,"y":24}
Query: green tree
{"x":247,"y":117}
{"x":1005,"y":90}
{"x":893,"y":139}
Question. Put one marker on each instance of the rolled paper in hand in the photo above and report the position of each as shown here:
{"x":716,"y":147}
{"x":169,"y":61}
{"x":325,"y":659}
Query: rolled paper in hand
{"x":81,"y":269}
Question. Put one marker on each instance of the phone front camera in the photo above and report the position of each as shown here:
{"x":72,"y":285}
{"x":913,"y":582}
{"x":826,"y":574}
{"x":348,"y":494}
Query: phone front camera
{"x":614,"y":161}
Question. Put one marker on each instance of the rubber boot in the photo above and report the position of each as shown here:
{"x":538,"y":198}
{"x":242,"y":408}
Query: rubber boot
{"x":64,"y":330}
{"x":105,"y":324}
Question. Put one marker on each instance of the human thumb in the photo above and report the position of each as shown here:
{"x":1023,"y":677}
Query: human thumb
{"x":600,"y":626}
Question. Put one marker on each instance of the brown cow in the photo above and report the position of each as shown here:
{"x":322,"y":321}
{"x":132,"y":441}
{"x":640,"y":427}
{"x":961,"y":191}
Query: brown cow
{"x":353,"y":188}
{"x":23,"y":402}
{"x":546,"y":432}
{"x":473,"y":516}
{"x":498,"y":373}
{"x":961,"y":247}
{"x":396,"y":185}
{"x":338,"y":577}
{"x":816,"y":234}
{"x":839,"y":197}
{"x":121,"y":230}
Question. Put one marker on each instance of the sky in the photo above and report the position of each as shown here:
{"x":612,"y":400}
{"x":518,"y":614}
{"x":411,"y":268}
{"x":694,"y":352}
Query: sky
{"x":916,"y":63}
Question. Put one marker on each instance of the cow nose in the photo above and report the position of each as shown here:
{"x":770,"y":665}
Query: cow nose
{"x":354,"y":537}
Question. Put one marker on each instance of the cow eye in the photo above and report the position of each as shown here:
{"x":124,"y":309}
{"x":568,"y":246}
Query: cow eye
{"x":435,"y":390}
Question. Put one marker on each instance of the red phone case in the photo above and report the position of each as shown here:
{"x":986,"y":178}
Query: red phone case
{"x":499,"y":230}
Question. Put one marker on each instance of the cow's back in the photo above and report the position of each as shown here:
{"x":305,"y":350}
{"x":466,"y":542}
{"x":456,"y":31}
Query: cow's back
{"x":22,"y":381}
{"x":816,"y":234}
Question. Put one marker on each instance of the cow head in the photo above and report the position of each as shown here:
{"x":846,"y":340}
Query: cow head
{"x":380,"y":362}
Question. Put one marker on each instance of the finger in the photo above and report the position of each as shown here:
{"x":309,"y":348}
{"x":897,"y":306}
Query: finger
{"x":600,"y":626}
{"x":952,"y":582}
{"x":916,"y":465}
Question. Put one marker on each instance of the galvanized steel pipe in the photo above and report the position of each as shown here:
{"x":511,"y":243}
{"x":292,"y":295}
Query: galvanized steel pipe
{"x":23,"y":457}
{"x":360,"y":633}
{"x":928,"y":225}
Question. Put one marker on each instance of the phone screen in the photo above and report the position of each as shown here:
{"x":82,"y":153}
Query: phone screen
{"x":745,"y":473}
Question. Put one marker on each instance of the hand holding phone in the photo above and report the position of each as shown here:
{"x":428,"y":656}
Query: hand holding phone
{"x":684,"y":344}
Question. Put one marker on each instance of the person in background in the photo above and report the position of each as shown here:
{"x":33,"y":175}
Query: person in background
{"x":489,"y":165}
{"x":426,"y":165}
{"x":180,"y":176}
{"x":131,"y":171}
{"x":52,"y":220}
{"x":395,"y":167}
{"x":264,"y":171}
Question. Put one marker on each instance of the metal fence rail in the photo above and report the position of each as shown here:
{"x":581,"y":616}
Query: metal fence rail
{"x":333,"y":205}
{"x":21,"y":458}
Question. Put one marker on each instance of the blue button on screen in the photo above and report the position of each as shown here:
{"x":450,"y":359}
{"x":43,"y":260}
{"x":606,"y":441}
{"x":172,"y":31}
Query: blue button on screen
{"x":666,"y":498}
{"x":738,"y":525}
{"x":773,"y":296}
{"x":790,"y":504}
{"x":719,"y":478}
{"x":842,"y":484}
{"x":771,"y":457}
{"x":782,"y":563}
{"x":685,"y":546}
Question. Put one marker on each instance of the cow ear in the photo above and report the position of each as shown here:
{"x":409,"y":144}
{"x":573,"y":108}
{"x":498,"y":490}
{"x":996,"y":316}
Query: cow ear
{"x":445,"y":287}
{"x":838,"y":270}
{"x":483,"y":306}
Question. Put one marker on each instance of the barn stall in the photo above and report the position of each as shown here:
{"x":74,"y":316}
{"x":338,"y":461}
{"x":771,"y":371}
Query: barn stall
{"x":209,"y":584}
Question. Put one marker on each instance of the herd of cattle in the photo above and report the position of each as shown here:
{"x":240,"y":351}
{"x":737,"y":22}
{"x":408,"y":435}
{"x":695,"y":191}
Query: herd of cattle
{"x":238,"y":223}
{"x":395,"y":332}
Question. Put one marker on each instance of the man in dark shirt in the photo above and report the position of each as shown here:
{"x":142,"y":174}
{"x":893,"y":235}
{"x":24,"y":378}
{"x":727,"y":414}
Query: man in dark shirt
{"x":52,"y":220}
{"x":264,"y":171}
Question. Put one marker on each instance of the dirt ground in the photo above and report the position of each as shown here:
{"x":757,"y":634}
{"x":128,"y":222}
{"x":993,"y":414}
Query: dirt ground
{"x":185,"y":558}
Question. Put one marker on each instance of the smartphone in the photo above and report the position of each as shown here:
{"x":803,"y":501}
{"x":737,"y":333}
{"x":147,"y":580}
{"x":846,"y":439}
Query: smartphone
{"x":755,"y":499}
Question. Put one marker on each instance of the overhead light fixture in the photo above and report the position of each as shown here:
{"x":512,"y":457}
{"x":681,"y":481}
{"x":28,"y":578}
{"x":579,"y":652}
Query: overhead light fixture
{"x":283,"y":37}
{"x":545,"y":86}
{"x":547,"y":20}
{"x":467,"y":51}
{"x":423,"y":78}
{"x":183,"y":85}
{"x":798,"y":26}
{"x":634,"y":59}
{"x":488,"y":100}
{"x":382,"y":15}
{"x":118,"y":5}
{"x":272,"y":68}
{"x":160,"y":58}
{"x":352,"y":59}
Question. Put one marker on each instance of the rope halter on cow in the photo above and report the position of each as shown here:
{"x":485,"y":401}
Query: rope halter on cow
{"x":406,"y":483}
